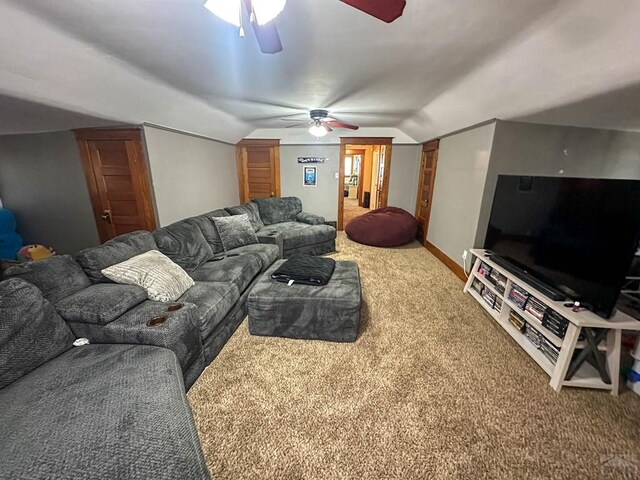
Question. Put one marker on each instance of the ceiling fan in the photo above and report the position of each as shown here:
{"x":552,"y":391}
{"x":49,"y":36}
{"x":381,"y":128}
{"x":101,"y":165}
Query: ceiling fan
{"x":263,"y":12}
{"x":321,"y":123}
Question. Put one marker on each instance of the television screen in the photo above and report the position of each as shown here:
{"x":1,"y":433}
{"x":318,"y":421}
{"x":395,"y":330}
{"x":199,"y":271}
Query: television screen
{"x":577,"y":235}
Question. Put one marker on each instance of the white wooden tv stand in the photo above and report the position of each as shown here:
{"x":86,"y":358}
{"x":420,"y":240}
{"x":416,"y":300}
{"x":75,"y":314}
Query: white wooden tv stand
{"x":586,"y":376}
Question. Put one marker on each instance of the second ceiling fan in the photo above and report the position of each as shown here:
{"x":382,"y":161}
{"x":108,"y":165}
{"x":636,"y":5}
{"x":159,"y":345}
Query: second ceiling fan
{"x":321,"y":123}
{"x":262,"y":12}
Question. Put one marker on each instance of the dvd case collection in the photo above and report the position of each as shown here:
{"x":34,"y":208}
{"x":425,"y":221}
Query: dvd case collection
{"x":494,"y":277}
{"x":519,"y":296}
{"x":549,"y":350}
{"x":489,"y":297}
{"x":517,"y":321}
{"x":535,"y":307}
{"x":549,"y":318}
{"x":533,"y":335}
{"x":555,"y":323}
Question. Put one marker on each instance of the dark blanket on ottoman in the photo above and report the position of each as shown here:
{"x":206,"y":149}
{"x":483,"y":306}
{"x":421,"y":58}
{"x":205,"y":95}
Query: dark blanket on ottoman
{"x":384,"y":227}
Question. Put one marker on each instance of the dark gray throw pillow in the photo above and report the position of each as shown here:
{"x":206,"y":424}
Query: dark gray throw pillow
{"x":251,"y":210}
{"x":235,"y":231}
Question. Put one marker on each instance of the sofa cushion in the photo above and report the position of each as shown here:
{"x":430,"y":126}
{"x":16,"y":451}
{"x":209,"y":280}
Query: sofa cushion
{"x":214,"y":300}
{"x":251,"y":210}
{"x":267,"y":253}
{"x":208,"y":229}
{"x":235,"y":231}
{"x":184,"y":243}
{"x":310,"y":218}
{"x":162,"y":279}
{"x":31,"y":332}
{"x":295,"y":234}
{"x":178,"y":332}
{"x":57,"y":277}
{"x":93,"y":260}
{"x":277,"y":210}
{"x":239,"y":270}
{"x":101,"y":412}
{"x":101,"y":303}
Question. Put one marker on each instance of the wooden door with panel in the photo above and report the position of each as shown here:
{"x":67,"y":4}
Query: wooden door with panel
{"x":115,"y":169}
{"x":258,"y":163}
{"x":426,"y":181}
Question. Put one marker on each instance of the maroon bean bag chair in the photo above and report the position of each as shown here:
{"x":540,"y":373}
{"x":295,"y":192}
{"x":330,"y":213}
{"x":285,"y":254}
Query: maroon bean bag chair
{"x":384,"y":227}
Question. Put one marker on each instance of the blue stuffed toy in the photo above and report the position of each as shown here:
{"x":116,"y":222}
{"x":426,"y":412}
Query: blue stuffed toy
{"x":10,"y":241}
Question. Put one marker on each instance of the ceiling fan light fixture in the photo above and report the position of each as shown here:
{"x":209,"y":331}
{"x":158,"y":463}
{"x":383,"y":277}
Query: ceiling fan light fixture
{"x":318,"y":130}
{"x":227,"y":10}
{"x":231,"y":10}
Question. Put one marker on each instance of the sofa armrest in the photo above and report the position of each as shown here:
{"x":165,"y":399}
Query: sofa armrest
{"x":271,"y":237}
{"x":310,"y":218}
{"x":101,"y":303}
{"x":150,"y":323}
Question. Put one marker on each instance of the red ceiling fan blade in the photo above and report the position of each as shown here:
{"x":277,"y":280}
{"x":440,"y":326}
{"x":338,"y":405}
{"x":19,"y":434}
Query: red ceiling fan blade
{"x":335,"y":123}
{"x":267,"y":34}
{"x":385,"y":10}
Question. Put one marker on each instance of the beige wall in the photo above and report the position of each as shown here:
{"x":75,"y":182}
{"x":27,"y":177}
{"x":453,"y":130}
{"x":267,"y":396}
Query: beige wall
{"x":463,"y":163}
{"x":323,"y":199}
{"x":403,"y":178}
{"x":190,"y":175}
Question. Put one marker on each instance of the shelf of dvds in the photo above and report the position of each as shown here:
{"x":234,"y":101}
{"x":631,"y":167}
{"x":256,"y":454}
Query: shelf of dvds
{"x":547,"y":330}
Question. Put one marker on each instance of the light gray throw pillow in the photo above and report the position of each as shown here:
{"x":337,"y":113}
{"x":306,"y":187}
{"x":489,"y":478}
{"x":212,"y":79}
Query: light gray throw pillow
{"x":162,"y":279}
{"x":235,"y":231}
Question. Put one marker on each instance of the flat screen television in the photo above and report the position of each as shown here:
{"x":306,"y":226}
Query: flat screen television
{"x":576,"y":235}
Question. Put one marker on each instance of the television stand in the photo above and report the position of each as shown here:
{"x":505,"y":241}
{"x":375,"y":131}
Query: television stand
{"x":542,"y":287}
{"x":602,"y":337}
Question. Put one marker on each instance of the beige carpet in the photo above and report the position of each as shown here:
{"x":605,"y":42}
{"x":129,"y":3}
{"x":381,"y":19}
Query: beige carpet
{"x":352,"y":210}
{"x":431,"y":389}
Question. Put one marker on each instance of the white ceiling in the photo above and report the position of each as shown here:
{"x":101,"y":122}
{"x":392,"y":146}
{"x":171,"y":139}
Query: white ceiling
{"x":444,"y":65}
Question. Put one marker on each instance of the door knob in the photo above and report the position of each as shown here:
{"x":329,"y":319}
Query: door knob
{"x":273,"y":194}
{"x":425,"y":203}
{"x":106,"y":216}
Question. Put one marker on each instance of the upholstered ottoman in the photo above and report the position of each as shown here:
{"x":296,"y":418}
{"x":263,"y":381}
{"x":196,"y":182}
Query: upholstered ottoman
{"x":330,"y":312}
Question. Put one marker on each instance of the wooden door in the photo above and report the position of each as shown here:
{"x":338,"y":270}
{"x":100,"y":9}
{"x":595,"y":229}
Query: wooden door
{"x":425,"y":187}
{"x":116,"y":172}
{"x":258,"y":163}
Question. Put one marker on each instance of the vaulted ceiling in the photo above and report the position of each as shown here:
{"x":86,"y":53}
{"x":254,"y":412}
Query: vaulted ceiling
{"x":444,"y":65}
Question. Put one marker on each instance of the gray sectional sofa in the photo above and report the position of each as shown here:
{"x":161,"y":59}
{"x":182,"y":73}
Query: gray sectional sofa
{"x":143,"y":353}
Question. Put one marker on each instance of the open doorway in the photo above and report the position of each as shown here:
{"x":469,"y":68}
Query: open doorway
{"x":363,"y":177}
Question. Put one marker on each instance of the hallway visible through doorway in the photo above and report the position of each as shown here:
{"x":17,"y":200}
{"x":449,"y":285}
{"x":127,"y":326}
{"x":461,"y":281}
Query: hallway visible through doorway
{"x":364,"y":174}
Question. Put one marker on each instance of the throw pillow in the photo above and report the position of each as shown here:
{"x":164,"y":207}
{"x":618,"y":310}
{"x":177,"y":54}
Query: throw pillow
{"x":163,"y":280}
{"x":251,"y":209}
{"x":94,"y":259}
{"x":184,"y":243}
{"x":235,"y":231}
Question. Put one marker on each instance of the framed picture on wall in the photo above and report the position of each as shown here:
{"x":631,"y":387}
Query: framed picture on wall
{"x":310,"y":178}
